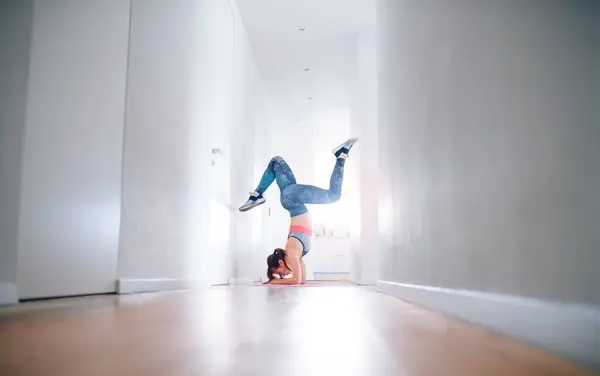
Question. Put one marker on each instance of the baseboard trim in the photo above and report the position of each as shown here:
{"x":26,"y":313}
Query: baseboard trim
{"x":240,"y":281}
{"x":131,"y":286}
{"x":570,"y":330}
{"x":8,"y":294}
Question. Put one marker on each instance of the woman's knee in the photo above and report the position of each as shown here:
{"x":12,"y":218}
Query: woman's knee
{"x":277,"y":159}
{"x":335,"y":195}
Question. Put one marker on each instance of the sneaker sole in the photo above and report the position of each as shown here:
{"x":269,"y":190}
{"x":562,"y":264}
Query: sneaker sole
{"x":252,"y":206}
{"x":349,"y":142}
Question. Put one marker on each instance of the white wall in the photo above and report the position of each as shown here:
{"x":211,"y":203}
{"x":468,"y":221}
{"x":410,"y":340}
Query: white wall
{"x":167,"y":153}
{"x":250,"y":144}
{"x":489,"y":142}
{"x":193,"y":86}
{"x":263,"y":220}
{"x":15,"y":35}
{"x":365,"y":124}
{"x":71,"y":168}
{"x":188,"y":87}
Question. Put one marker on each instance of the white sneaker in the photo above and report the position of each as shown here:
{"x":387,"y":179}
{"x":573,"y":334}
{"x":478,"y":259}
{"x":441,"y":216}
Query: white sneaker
{"x":342,"y":150}
{"x":253,"y":202}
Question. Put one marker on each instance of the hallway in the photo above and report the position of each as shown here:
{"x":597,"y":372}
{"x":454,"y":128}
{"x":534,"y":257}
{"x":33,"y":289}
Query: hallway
{"x":131,"y":132}
{"x":334,"y":329}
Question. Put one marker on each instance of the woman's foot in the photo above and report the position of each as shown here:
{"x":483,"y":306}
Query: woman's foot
{"x":342,"y":150}
{"x":254,"y":201}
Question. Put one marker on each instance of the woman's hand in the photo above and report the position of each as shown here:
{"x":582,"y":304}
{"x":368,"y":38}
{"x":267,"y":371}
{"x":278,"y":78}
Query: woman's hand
{"x":284,"y":281}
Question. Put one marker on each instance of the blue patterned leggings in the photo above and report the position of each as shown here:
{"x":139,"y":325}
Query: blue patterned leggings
{"x":294,"y":197}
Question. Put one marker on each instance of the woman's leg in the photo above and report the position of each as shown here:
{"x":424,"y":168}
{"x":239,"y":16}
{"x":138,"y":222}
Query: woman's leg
{"x":296,"y":196}
{"x":277,"y":170}
{"x":309,"y":194}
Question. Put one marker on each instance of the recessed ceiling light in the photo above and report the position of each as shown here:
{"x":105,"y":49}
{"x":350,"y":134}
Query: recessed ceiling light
{"x":302,"y":28}
{"x":310,"y":98}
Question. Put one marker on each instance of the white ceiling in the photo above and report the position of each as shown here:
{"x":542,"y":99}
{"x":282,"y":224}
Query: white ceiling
{"x":327,"y":47}
{"x":280,"y":19}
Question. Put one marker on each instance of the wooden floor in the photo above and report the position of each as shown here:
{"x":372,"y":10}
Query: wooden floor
{"x":308,"y":331}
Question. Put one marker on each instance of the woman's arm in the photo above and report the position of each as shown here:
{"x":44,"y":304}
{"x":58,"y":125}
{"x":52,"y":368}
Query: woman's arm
{"x":303,"y":271}
{"x":295,"y":266}
{"x":282,"y":281}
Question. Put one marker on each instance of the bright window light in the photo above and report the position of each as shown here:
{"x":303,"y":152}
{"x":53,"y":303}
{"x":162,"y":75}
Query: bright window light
{"x":339,"y":219}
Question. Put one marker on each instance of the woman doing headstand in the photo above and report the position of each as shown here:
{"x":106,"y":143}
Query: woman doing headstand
{"x":294,"y":198}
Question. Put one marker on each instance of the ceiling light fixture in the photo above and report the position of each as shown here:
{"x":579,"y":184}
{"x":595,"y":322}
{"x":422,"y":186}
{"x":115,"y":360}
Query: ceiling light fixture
{"x":310,"y":98}
{"x":302,"y":28}
{"x":306,"y":69}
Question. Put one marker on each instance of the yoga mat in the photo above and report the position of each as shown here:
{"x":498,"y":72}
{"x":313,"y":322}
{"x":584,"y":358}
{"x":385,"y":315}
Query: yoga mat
{"x":314,"y":284}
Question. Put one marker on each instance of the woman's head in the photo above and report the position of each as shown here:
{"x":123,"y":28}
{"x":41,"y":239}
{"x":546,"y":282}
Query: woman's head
{"x":276,"y":264}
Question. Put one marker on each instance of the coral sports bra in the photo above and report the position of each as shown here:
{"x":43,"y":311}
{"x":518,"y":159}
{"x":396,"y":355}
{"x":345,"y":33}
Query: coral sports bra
{"x":304,"y":236}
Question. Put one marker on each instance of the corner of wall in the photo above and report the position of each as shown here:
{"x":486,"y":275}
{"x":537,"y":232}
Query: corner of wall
{"x":8,"y":293}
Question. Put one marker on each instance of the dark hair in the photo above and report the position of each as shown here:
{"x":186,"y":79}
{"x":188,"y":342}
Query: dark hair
{"x":273,"y":262}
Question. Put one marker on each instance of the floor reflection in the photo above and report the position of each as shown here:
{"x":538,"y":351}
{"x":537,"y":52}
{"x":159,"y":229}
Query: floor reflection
{"x":255,"y":330}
